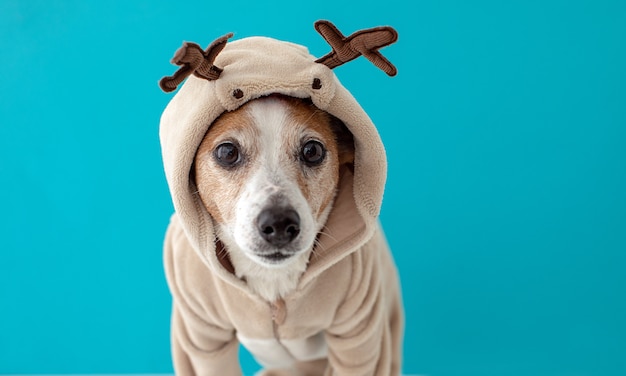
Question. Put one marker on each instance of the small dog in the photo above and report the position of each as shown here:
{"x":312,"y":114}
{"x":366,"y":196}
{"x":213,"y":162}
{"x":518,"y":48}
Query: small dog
{"x":277,"y":176}
{"x":268,"y":174}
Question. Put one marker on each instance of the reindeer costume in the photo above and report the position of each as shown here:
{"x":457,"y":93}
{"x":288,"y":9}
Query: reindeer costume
{"x":345,"y":317}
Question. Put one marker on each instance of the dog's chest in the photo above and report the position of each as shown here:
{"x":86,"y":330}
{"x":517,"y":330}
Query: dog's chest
{"x":282,"y":353}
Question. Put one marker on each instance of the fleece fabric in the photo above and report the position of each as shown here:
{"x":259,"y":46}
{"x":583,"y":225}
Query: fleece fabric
{"x":346,"y":316}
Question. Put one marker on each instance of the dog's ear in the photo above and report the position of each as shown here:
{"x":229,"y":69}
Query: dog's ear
{"x":345,"y":143}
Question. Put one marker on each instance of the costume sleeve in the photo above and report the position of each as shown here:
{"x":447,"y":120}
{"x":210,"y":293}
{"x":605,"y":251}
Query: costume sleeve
{"x":200,"y":348}
{"x":359,"y":340}
{"x":201,"y":344}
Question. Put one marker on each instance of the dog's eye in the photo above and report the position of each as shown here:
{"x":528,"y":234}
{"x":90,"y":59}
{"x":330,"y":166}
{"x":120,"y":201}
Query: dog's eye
{"x":227,"y":154}
{"x":313,"y":153}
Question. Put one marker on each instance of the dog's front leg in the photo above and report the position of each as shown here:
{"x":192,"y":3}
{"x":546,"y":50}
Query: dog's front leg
{"x":365,"y":337}
{"x":201,"y":344}
{"x":199,"y":348}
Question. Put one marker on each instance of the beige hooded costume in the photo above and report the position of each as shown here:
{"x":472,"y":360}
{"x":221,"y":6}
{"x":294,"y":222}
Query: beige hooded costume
{"x":345,"y":317}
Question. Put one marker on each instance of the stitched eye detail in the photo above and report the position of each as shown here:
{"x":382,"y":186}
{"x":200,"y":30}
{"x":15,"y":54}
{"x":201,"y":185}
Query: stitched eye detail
{"x":317,"y":84}
{"x":313,"y":153}
{"x":227,"y":154}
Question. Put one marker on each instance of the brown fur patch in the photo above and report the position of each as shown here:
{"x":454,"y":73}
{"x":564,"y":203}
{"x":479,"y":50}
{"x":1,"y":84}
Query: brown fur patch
{"x":321,"y":123}
{"x":214,"y":184}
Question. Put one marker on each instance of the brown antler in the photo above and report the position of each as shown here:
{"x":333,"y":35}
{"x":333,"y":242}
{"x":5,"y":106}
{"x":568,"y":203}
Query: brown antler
{"x":364,"y":42}
{"x":193,"y":59}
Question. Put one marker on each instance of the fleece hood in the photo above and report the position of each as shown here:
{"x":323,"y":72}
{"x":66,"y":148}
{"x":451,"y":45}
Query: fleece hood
{"x":227,"y":75}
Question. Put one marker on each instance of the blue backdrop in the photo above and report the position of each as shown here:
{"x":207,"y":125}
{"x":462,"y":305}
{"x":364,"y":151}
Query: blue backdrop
{"x":505,"y":205}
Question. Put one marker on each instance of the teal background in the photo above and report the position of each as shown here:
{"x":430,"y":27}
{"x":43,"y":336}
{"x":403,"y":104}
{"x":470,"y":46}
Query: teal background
{"x":505,"y":205}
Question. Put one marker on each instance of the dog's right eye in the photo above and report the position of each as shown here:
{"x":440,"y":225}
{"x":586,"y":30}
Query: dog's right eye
{"x":227,"y":154}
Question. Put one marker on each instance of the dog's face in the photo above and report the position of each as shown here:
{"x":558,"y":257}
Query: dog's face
{"x":268,"y":173}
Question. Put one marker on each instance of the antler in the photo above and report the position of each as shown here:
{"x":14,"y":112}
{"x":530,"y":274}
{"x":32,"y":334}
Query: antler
{"x":193,"y":59}
{"x":364,"y":42}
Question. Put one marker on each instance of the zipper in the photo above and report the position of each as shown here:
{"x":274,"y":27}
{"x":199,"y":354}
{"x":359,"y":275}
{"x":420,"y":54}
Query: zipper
{"x":278,"y":311}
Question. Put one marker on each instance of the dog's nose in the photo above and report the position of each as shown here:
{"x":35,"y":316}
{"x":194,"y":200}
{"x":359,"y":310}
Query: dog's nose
{"x":279,"y":226}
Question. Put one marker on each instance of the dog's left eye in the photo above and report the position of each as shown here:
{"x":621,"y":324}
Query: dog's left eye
{"x":227,"y":154}
{"x":313,"y":153}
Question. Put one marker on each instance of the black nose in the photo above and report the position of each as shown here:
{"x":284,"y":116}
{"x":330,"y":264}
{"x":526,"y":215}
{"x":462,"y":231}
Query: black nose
{"x":279,"y":226}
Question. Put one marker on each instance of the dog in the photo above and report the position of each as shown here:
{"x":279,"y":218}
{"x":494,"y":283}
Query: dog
{"x":268,"y":174}
{"x":277,"y":176}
